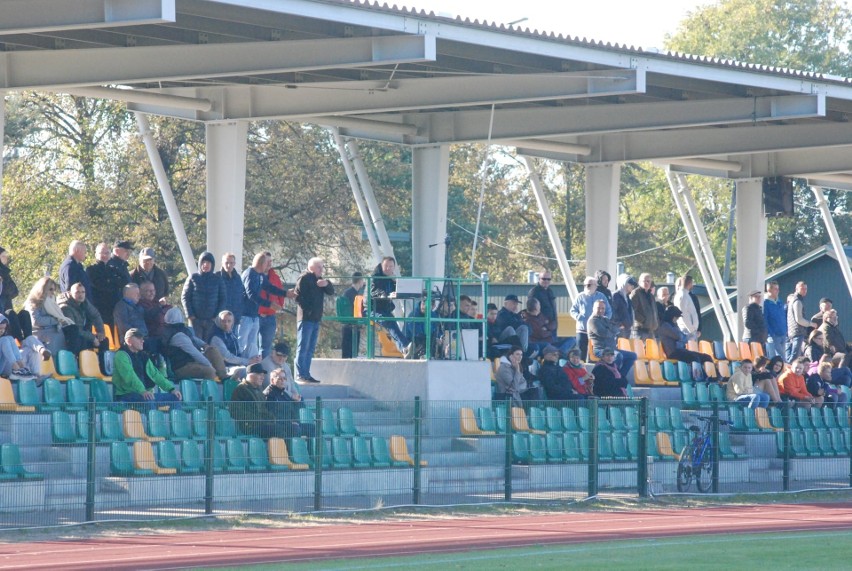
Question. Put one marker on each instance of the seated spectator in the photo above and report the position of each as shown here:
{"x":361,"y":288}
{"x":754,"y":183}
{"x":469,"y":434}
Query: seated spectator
{"x":84,"y":316}
{"x":382,"y":294}
{"x":511,"y":382}
{"x":225,"y":341}
{"x":755,"y":330}
{"x":608,"y":379}
{"x":542,"y":330}
{"x":603,"y":332}
{"x":20,"y":324}
{"x":189,"y":356}
{"x":24,"y":363}
{"x":149,"y":271}
{"x":203,"y":296}
{"x":556,"y":383}
{"x":673,"y":341}
{"x":814,"y":348}
{"x":819,"y":385}
{"x":135,"y":376}
{"x":765,"y":376}
{"x":581,"y":379}
{"x":509,"y":323}
{"x":284,"y":402}
{"x":833,"y":340}
{"x":840,"y":373}
{"x":47,"y":319}
{"x":582,"y":310}
{"x":741,"y":389}
{"x":128,"y":314}
{"x":793,"y":387}
{"x":622,"y":307}
{"x":416,"y":331}
{"x":645,"y":319}
{"x":249,"y":408}
{"x":155,"y":310}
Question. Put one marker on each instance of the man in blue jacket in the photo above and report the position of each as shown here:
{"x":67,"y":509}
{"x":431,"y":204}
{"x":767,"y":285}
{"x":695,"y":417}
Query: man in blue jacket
{"x":775,"y":315}
{"x":203,"y":297}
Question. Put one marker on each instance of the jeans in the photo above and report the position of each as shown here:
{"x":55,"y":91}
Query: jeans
{"x":755,"y":400}
{"x":307,"y":333}
{"x":794,"y":348}
{"x":583,"y":344}
{"x":776,"y":346}
{"x":841,"y":376}
{"x":267,"y":334}
{"x":522,"y":332}
{"x":249,"y":327}
{"x":9,"y":355}
{"x":397,"y":336}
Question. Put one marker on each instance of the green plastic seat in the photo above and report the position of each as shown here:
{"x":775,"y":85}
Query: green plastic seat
{"x":616,"y":419}
{"x":725,"y":449}
{"x":228,"y":386}
{"x":327,"y":458}
{"x":676,"y":418}
{"x":553,"y":417}
{"x":817,"y":418}
{"x":54,"y":395}
{"x":842,"y":413}
{"x":702,"y":395}
{"x":750,"y":420}
{"x":680,"y":439}
{"x":687,"y":394}
{"x":181,"y":428}
{"x":633,"y":445}
{"x":191,"y":461}
{"x":329,"y":425}
{"x":381,"y":453}
{"x":28,"y":394}
{"x":190,"y":393}
{"x":10,"y":459}
{"x":538,"y":449}
{"x":569,"y":420}
{"x":258,"y":456}
{"x":797,"y":444}
{"x":631,"y":418}
{"x":341,"y":453}
{"x":811,"y":444}
{"x":803,"y":416}
{"x":158,"y":426}
{"x":236,"y":455}
{"x":651,"y":445}
{"x":199,"y":423}
{"x":662,"y":421}
{"x":299,"y":452}
{"x":484,"y":417}
{"x":605,"y":447}
{"x":500,"y":418}
{"x":839,"y":441}
{"x":779,"y":445}
{"x":717,"y":394}
{"x":555,"y":447}
{"x":66,"y":363}
{"x":735,"y":416}
{"x":583,"y":418}
{"x":167,"y":455}
{"x":824,"y":442}
{"x":225,"y":425}
{"x":684,"y":372}
{"x":536,"y":418}
{"x":571,"y":446}
{"x":619,"y":446}
{"x":78,"y":397}
{"x":585,"y":445}
{"x":81,"y":419}
{"x":670,"y":373}
{"x":776,"y":417}
{"x":361,"y":457}
{"x":210,"y":388}
{"x":62,"y":428}
{"x":346,"y":422}
{"x":603,"y":421}
{"x":121,"y":463}
{"x":306,"y":416}
{"x":829,"y":418}
{"x":520,"y":448}
{"x":100,"y":391}
{"x":111,"y":430}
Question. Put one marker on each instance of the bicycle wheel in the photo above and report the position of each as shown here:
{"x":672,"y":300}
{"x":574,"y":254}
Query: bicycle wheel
{"x":704,"y":473}
{"x":684,"y":469}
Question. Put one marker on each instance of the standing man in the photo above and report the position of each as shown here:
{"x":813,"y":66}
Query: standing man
{"x":603,"y":332}
{"x":797,"y":324}
{"x":545,"y":296}
{"x":255,"y":280}
{"x":622,"y":307}
{"x":268,"y":323}
{"x":351,"y":335}
{"x":233,"y":288}
{"x":825,"y":305}
{"x":120,"y":254}
{"x":105,"y":292}
{"x":71,"y":271}
{"x":203,"y":297}
{"x":645,"y":319}
{"x":689,"y":321}
{"x":754,"y":324}
{"x":775,"y":315}
{"x":149,"y":271}
{"x":311,"y":288}
{"x":582,"y":310}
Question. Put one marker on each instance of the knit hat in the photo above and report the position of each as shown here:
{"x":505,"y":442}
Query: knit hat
{"x":173,"y":316}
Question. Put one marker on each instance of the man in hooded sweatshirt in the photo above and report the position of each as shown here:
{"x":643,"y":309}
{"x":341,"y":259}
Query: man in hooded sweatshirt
{"x":203,"y":297}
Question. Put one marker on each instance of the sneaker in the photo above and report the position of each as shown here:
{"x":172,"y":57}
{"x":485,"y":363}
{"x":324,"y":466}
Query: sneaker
{"x":408,"y":351}
{"x":21,"y":374}
{"x":306,"y":380}
{"x":313,"y":380}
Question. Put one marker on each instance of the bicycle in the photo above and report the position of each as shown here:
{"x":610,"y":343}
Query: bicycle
{"x":696,"y":458}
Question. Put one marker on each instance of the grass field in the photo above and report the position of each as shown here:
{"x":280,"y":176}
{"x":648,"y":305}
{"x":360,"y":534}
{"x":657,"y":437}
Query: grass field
{"x":795,"y":550}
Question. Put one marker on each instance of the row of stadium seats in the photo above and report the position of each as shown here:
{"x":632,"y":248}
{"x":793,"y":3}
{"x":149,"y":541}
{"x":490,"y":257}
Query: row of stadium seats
{"x":814,"y":443}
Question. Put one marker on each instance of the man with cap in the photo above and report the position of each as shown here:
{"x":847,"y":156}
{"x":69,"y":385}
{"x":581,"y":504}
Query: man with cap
{"x":825,"y":304}
{"x":249,"y":408}
{"x":754,"y":329}
{"x":673,"y":341}
{"x":190,"y":357}
{"x":582,"y":310}
{"x":106,"y":291}
{"x":120,"y":254}
{"x":604,"y":335}
{"x":622,"y":307}
{"x":557,"y":385}
{"x":135,"y":377}
{"x":149,"y":271}
{"x":509,"y":323}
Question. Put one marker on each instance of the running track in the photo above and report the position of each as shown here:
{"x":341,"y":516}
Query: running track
{"x":318,"y":542}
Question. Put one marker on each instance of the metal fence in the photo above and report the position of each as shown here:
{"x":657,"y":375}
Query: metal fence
{"x":74,"y":463}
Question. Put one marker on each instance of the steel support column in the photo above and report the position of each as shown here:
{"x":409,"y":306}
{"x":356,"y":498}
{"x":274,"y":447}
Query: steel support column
{"x":226,"y":187}
{"x":430,"y":173}
{"x":373,"y":206}
{"x":751,"y":243}
{"x":602,"y":192}
{"x":2,"y":138}
{"x":842,"y":259}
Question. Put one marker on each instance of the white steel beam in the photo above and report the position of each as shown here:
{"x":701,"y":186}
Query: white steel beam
{"x":142,"y":96}
{"x":370,"y":197}
{"x":603,"y":187}
{"x":552,"y":234}
{"x":226,"y":188}
{"x":166,"y":192}
{"x":58,"y":68}
{"x":836,"y":243}
{"x":36,"y":16}
{"x":751,"y":244}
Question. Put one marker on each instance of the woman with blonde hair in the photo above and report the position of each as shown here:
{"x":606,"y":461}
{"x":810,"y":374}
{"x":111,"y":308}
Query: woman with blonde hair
{"x":47,"y":318}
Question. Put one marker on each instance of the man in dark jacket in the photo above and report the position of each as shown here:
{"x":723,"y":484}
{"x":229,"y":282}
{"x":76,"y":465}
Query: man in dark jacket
{"x":755,"y":324}
{"x":78,"y":309}
{"x":233,"y":287}
{"x":149,"y":271}
{"x":249,"y":408}
{"x":557,"y":385}
{"x":622,"y":307}
{"x":106,"y":290}
{"x":545,"y":296}
{"x":203,"y":297}
{"x":311,"y":288}
{"x":71,"y":271}
{"x":118,"y":261}
{"x":509,"y":322}
{"x":382,"y":292}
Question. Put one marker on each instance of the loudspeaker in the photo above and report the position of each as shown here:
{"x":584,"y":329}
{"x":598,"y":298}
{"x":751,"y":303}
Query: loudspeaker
{"x":778,"y":196}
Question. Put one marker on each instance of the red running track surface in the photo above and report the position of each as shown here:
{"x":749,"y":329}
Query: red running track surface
{"x":322,"y":542}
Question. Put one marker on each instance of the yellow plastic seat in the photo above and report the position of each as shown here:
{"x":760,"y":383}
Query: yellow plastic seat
{"x":131,"y":422}
{"x":655,"y":371}
{"x":757,"y":350}
{"x":639,"y":348}
{"x":279,"y":456}
{"x":7,"y":398}
{"x":640,"y":373}
{"x":467,"y":422}
{"x":692,"y":345}
{"x":399,"y":451}
{"x":745,"y":351}
{"x":762,"y":419}
{"x":732,"y":351}
{"x":664,"y":446}
{"x":89,"y":366}
{"x":710,"y":370}
{"x":724,"y":369}
{"x":48,"y":367}
{"x":143,"y":459}
{"x":519,"y":421}
{"x":653,"y":350}
{"x":624,"y":344}
{"x":706,"y":347}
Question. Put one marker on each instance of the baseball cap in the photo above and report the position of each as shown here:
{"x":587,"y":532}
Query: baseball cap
{"x":133,"y":332}
{"x":124,"y":244}
{"x":147,"y":254}
{"x":257,"y":368}
{"x":511,"y":297}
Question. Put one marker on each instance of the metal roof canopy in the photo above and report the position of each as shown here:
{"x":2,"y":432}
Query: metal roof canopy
{"x":418,"y":79}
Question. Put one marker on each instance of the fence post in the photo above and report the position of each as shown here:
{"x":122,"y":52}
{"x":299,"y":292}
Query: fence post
{"x":642,"y":449}
{"x":91,"y":459}
{"x":417,"y":450}
{"x":714,"y":436}
{"x":788,"y":441}
{"x":593,"y":447}
{"x":319,"y":449}
{"x":209,"y":460}
{"x":507,"y":467}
